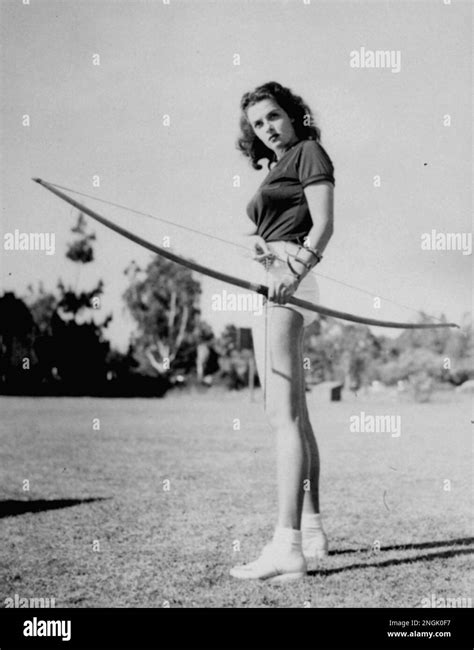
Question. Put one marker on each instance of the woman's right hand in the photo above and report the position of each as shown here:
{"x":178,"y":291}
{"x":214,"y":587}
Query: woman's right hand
{"x":261,"y":252}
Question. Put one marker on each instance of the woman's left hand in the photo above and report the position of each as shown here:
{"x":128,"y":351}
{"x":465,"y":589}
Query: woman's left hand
{"x":280,"y":290}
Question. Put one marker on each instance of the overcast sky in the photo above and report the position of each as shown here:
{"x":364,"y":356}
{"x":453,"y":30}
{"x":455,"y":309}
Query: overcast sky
{"x":179,"y":59}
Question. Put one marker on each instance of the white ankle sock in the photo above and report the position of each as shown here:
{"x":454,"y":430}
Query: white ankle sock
{"x":311,"y":523}
{"x":287,"y":539}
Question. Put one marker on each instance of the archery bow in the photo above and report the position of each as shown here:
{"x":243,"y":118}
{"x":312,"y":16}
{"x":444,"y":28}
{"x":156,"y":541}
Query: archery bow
{"x":238,"y":282}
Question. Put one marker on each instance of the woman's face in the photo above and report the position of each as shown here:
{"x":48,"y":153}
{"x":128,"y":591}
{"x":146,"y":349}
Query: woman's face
{"x":272,"y":125}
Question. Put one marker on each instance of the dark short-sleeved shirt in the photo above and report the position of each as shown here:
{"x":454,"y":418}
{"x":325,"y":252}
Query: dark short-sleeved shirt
{"x":279,"y":208}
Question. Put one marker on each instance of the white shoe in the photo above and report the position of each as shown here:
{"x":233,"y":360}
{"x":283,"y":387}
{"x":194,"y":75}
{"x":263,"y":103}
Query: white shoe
{"x":273,"y":566}
{"x":315,"y":547}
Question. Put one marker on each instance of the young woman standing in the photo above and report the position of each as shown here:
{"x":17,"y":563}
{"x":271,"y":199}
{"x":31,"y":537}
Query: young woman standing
{"x":293,"y":216}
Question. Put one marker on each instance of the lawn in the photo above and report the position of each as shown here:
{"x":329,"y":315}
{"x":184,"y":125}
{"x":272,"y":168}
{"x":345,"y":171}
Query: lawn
{"x":147,"y":511}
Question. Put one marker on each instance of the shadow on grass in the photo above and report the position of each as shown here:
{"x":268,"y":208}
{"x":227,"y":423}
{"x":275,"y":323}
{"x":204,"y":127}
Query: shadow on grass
{"x":12,"y":508}
{"x":409,"y":547}
{"x":427,"y":557}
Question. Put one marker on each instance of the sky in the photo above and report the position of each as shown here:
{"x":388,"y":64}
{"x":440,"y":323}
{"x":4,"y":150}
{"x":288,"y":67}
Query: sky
{"x":97,"y":77}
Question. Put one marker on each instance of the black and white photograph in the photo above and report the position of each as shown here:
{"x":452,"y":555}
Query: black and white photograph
{"x":236,"y":352}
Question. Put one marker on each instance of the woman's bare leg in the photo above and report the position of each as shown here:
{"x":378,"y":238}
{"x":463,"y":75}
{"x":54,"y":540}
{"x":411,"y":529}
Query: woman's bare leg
{"x":283,"y":407}
{"x":314,"y":540}
{"x":311,"y":494}
{"x":281,"y":374}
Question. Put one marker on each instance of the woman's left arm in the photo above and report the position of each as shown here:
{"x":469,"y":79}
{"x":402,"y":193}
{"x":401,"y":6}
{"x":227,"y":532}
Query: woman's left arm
{"x":320,"y":198}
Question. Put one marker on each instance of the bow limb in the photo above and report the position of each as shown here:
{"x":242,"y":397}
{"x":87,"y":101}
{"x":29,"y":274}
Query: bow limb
{"x":230,"y":279}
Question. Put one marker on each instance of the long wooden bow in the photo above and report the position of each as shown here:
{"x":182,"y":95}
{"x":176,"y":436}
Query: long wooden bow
{"x":230,"y":279}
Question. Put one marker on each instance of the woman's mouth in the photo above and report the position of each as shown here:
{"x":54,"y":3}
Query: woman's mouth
{"x":274,"y":137}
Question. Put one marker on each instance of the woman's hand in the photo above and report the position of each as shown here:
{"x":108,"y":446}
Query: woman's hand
{"x":261,"y":252}
{"x":280,"y":290}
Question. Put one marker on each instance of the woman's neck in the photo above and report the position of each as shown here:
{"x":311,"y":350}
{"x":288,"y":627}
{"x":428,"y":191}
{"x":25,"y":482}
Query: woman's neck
{"x":282,"y":152}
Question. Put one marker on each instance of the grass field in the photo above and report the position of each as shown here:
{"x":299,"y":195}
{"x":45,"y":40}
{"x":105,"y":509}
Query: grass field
{"x":158,"y":546}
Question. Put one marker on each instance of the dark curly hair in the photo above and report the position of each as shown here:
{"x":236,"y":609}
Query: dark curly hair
{"x":303,"y":122}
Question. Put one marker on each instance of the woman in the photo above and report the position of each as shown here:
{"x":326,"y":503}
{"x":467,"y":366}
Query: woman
{"x":293,"y":216}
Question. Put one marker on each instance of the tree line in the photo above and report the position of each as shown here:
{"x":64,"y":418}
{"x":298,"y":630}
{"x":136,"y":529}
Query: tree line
{"x":55,"y":343}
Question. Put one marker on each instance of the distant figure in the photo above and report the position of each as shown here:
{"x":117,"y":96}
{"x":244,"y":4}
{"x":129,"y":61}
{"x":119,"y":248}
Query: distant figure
{"x":207,"y":363}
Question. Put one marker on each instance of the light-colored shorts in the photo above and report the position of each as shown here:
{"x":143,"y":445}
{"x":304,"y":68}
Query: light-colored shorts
{"x":308,"y":288}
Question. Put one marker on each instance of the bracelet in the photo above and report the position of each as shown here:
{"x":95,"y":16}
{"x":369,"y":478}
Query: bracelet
{"x":297,"y":275}
{"x":314,"y":251}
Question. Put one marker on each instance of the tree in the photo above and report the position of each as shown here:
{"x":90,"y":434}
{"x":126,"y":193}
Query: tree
{"x":340,"y":352}
{"x":17,"y":337}
{"x":43,"y":306}
{"x":163,"y":301}
{"x":72,"y":350}
{"x":79,"y":343}
{"x":80,"y":250}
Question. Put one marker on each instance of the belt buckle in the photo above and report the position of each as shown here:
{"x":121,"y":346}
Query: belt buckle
{"x":268,"y":262}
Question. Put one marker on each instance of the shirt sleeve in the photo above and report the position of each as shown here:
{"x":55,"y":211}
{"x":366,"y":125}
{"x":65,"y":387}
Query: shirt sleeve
{"x":314,"y":164}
